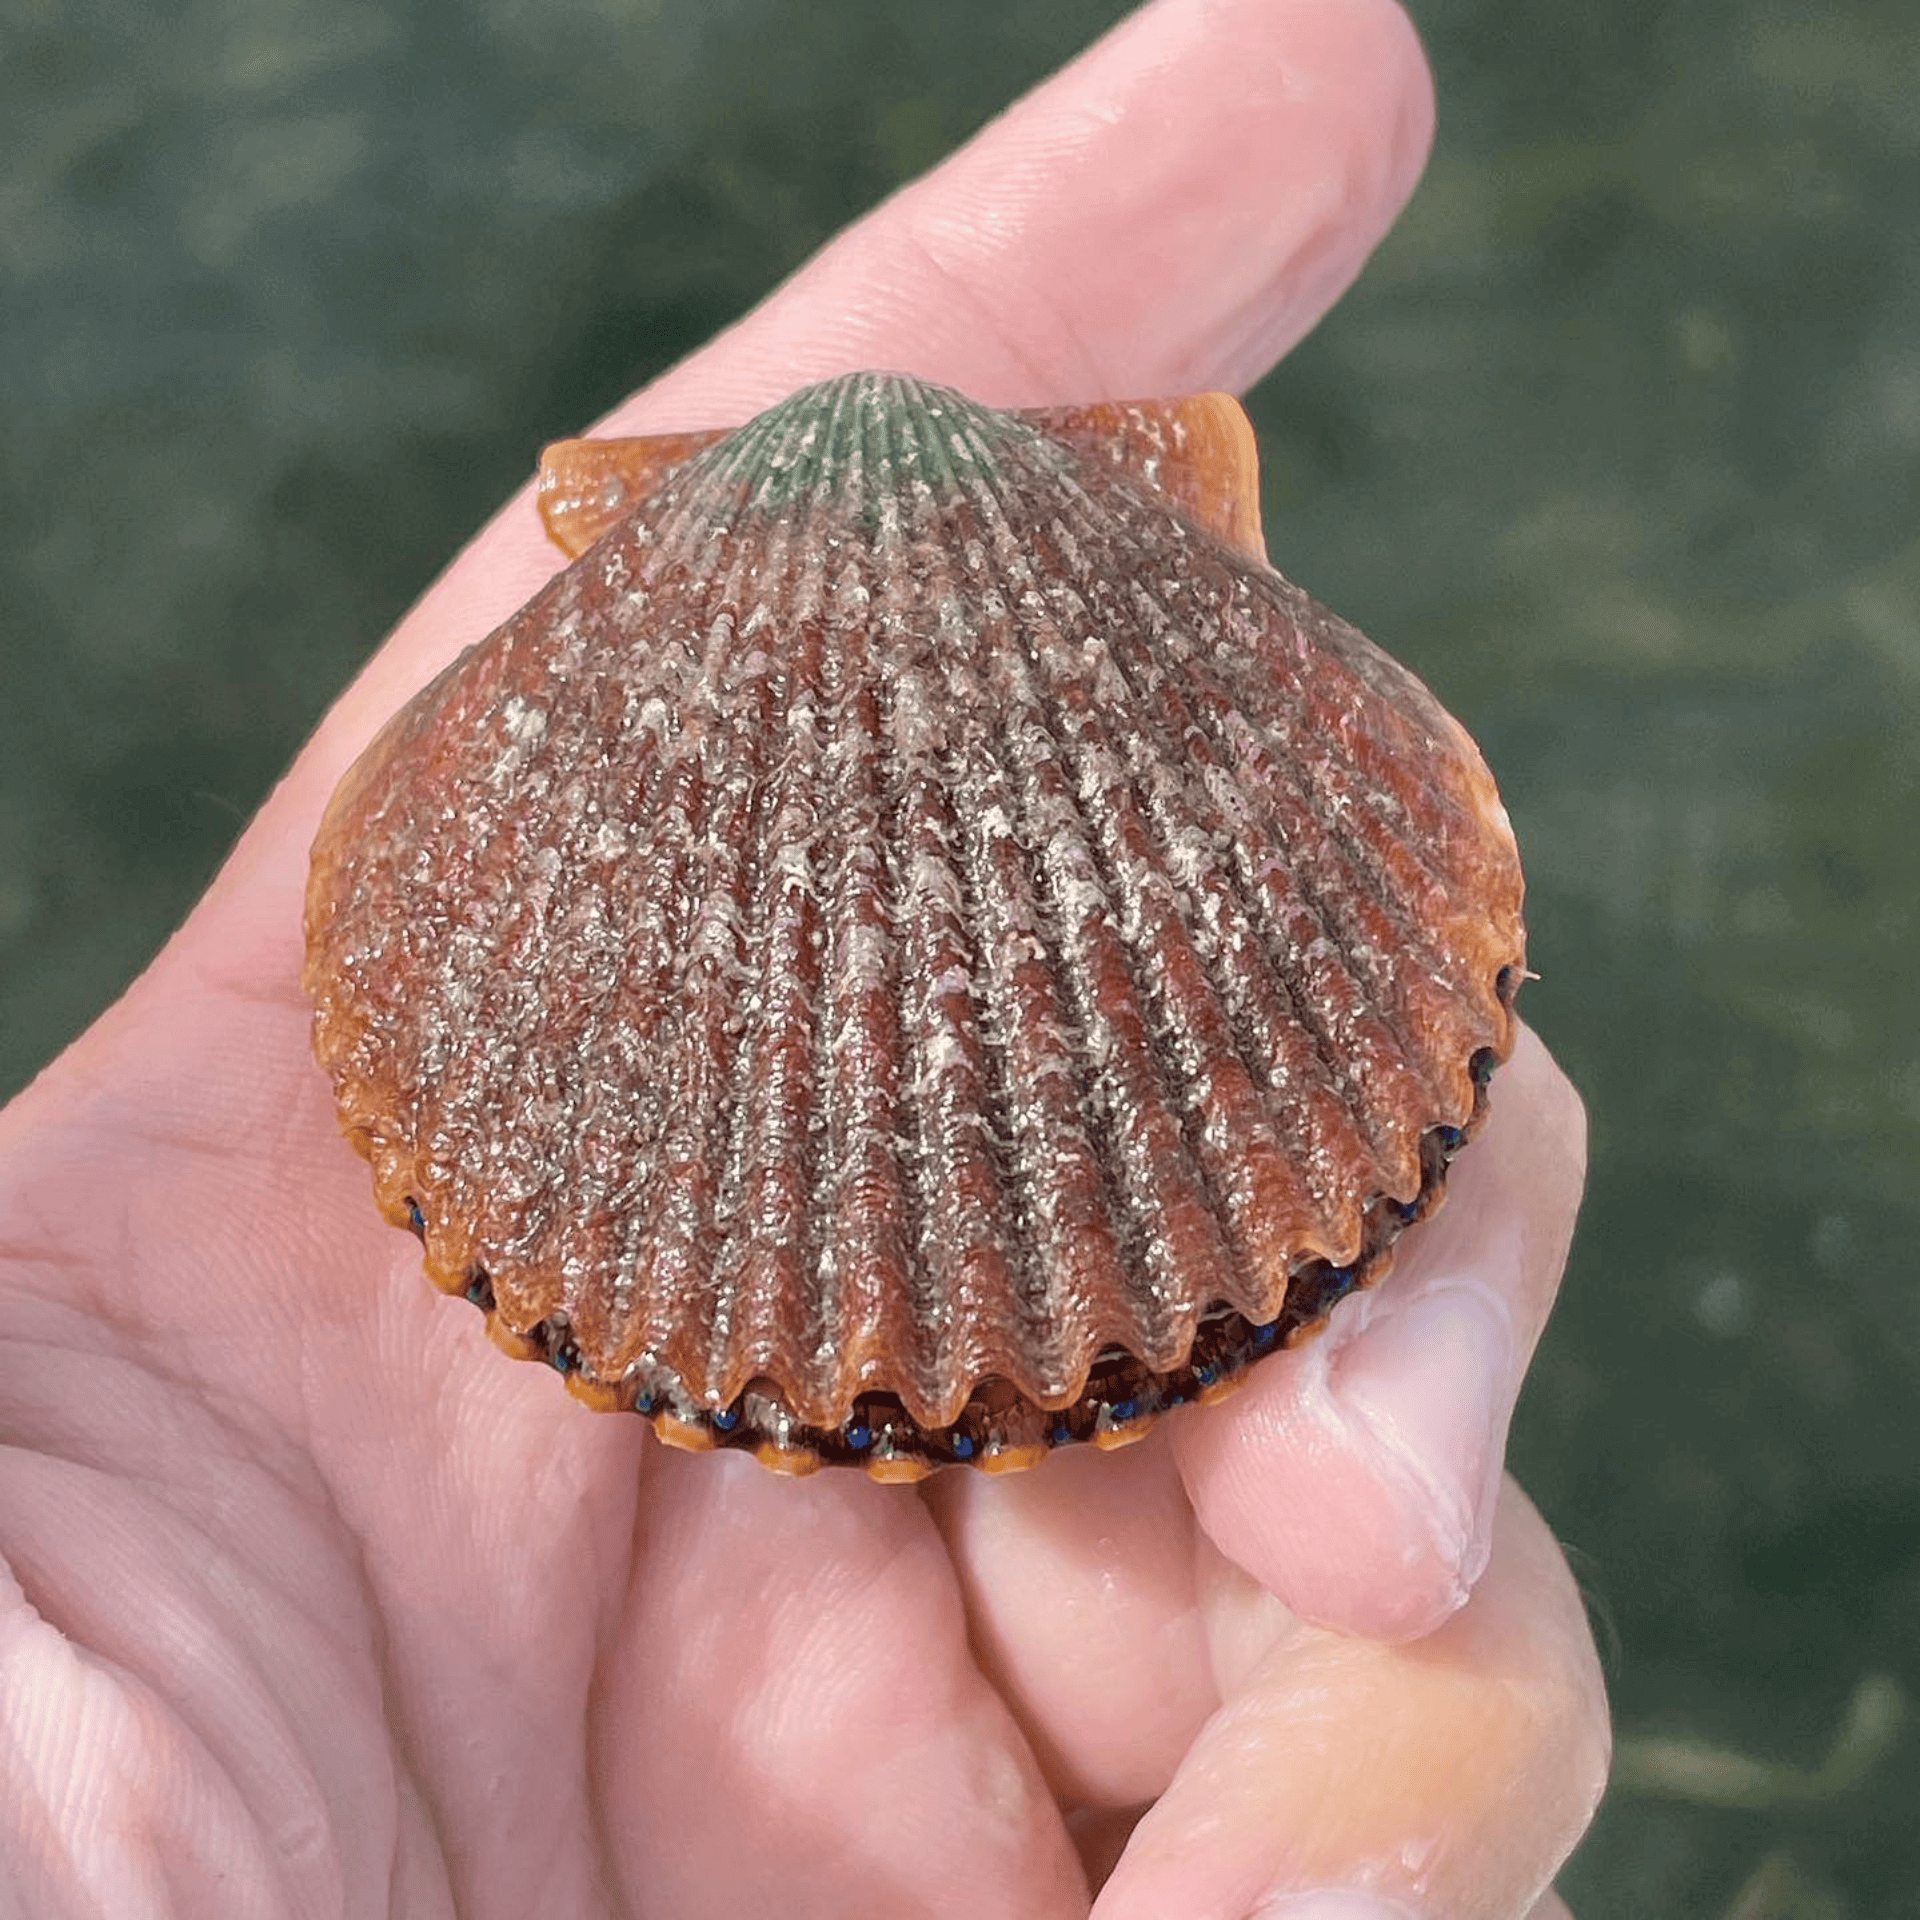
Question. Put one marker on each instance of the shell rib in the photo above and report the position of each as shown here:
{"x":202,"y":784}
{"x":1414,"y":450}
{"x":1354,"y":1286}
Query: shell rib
{"x":918,"y":946}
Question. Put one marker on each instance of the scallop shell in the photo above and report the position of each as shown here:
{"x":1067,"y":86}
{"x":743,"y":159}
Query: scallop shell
{"x":919,"y":946}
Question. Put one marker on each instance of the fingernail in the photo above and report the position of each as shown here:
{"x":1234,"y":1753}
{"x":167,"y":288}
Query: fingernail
{"x":1434,"y":1382}
{"x":1331,"y":1903}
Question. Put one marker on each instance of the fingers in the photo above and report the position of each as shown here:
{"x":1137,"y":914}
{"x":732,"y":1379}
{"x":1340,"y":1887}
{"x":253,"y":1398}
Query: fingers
{"x":1441,"y":1779}
{"x":1081,"y":1602}
{"x":1356,"y":1477}
{"x":791,"y":1720}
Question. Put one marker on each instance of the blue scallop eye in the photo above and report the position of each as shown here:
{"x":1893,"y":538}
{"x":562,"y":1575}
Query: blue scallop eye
{"x":1264,"y":1337}
{"x":564,"y":1358}
{"x":962,"y":1447}
{"x":726,"y":1419}
{"x":1062,"y":1435}
{"x":645,"y":1401}
{"x":859,"y":1436}
{"x":1122,"y":1411}
{"x":415,"y":1218}
{"x":1338,"y":1282}
{"x":1449,"y":1138}
{"x":1205,"y":1374}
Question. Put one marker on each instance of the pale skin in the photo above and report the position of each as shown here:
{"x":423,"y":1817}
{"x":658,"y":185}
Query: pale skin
{"x":311,"y":1603}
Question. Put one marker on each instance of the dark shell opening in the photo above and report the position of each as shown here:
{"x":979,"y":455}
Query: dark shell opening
{"x":1123,"y":1397}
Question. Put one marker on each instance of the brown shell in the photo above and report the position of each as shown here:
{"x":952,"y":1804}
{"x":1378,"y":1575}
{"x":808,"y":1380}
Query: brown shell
{"x":919,"y":946}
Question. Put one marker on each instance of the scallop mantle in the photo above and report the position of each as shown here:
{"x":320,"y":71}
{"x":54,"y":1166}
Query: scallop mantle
{"x":919,"y":945}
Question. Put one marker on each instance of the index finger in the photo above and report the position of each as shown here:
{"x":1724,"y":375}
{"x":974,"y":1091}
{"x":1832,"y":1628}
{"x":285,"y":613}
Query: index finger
{"x":1172,"y":210}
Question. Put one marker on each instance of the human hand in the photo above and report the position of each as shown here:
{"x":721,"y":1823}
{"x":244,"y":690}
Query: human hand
{"x":313,"y":1604}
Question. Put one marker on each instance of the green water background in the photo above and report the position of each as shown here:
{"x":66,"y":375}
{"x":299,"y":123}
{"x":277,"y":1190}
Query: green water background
{"x":1616,"y":443}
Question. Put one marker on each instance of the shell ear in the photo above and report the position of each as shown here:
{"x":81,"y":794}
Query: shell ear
{"x":1199,"y":450}
{"x":586,"y":485}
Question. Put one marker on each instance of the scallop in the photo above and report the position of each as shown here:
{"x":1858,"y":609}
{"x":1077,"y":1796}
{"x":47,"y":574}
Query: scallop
{"x":918,"y":946}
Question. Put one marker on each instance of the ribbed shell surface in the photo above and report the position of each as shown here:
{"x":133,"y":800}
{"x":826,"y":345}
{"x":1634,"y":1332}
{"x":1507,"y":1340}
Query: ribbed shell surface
{"x":907,"y":909}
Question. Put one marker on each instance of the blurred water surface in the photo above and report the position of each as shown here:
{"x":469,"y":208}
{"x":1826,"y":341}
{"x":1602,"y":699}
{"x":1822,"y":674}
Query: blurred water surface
{"x":1616,"y":444}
